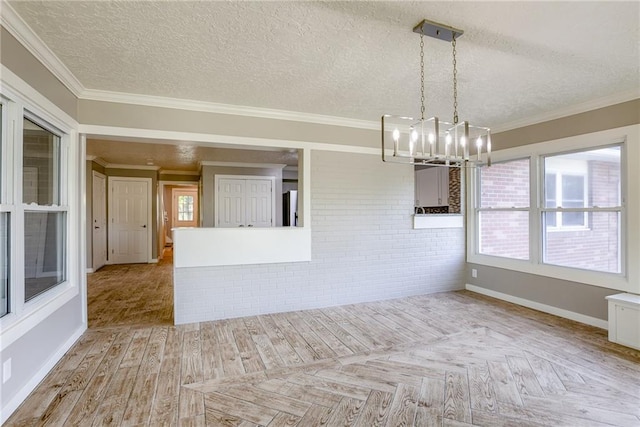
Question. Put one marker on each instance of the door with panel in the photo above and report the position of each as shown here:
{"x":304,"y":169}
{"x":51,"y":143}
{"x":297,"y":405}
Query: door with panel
{"x":129,"y":213}
{"x":259,"y":203}
{"x":231,"y":202}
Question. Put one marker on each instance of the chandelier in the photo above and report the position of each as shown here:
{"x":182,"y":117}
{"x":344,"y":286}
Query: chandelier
{"x":433,"y":141}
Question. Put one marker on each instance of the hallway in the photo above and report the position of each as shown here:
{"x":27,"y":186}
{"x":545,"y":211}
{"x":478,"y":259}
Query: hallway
{"x":131,"y":294}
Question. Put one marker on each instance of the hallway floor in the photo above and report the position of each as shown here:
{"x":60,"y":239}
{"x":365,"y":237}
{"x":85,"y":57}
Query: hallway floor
{"x":131,"y":294}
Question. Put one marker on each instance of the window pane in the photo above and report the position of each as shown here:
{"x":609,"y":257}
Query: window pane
{"x":505,"y":185}
{"x":589,"y":178}
{"x":41,"y":166}
{"x":44,"y":251}
{"x":185,"y":208}
{"x":505,"y":234}
{"x":596,"y":248}
{"x":4,"y":263}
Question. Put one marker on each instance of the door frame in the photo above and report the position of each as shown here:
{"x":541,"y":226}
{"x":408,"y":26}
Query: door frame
{"x":216,"y":182}
{"x":95,"y":174}
{"x":149,"y":244}
{"x":162,"y":202}
{"x":196,"y":205}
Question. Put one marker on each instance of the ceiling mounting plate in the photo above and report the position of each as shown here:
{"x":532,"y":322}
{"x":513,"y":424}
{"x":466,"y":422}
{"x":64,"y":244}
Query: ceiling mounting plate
{"x":437,"y":31}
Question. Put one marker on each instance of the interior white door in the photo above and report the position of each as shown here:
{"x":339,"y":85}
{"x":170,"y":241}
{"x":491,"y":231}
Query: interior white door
{"x":231,"y":202}
{"x":99,"y":221}
{"x":258,"y":203}
{"x":129,"y":220}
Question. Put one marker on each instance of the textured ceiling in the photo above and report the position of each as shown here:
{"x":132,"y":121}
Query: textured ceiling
{"x":183,"y":156}
{"x":349,"y":59}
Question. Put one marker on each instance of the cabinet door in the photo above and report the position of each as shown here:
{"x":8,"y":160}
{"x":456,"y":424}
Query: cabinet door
{"x":444,"y":187}
{"x":427,"y":187}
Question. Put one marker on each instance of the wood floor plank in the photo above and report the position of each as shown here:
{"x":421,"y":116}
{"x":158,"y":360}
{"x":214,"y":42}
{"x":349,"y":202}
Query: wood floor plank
{"x":346,"y":413}
{"x":316,"y":416}
{"x":284,"y":420}
{"x":111,"y":409}
{"x":285,"y":350}
{"x":332,"y":341}
{"x":481,"y":392}
{"x":457,"y":403}
{"x":525,"y":378}
{"x":343,"y":335}
{"x":302,"y":348}
{"x":239,"y":408}
{"x":430,"y":407}
{"x":376,"y":409}
{"x":259,"y":396}
{"x":404,"y":405}
{"x":504,"y":384}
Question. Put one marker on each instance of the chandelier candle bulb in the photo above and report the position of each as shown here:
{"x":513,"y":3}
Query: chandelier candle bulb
{"x":479,"y":147}
{"x":396,"y":139}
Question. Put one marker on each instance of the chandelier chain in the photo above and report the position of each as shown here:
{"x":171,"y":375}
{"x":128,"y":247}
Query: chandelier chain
{"x":422,"y":75}
{"x":455,"y":82}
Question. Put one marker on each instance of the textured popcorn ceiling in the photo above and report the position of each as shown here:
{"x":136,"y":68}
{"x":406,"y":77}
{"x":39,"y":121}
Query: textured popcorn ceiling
{"x":349,"y":59}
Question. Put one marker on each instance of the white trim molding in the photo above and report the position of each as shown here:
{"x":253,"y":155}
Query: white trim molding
{"x":135,"y":167}
{"x":34,"y":44}
{"x":560,"y":312}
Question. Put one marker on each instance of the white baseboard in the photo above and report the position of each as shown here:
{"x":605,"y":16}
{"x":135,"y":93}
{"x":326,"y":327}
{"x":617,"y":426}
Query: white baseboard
{"x":153,"y":261}
{"x":588,"y":320}
{"x":90,"y":270}
{"x":13,"y":404}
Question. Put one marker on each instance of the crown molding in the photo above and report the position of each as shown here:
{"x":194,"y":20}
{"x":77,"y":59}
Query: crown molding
{"x":98,"y":160}
{"x":139,"y":167}
{"x":19,"y":29}
{"x":583,"y":107}
{"x":217,"y":108}
{"x":243,"y":165}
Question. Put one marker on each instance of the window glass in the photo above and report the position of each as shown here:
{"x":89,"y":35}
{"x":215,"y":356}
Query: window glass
{"x":504,"y":233}
{"x":4,"y":263}
{"x":505,"y":185}
{"x":40,"y":165}
{"x":577,"y":230}
{"x":594,"y":248}
{"x":44,"y":251}
{"x":583,"y":179}
{"x":185,"y":208}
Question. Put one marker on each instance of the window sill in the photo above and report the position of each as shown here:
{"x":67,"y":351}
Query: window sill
{"x":438,"y":221}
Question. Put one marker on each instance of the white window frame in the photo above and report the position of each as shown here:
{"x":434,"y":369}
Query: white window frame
{"x":628,"y":280}
{"x":23,"y":101}
{"x":60,"y":163}
{"x":6,"y":199}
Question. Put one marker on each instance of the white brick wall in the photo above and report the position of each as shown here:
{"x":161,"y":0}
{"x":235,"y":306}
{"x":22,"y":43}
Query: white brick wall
{"x":363,"y":249}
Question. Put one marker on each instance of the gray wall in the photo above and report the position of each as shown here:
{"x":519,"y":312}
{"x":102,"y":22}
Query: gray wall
{"x":143,"y":117}
{"x":42,"y":344}
{"x":208,"y":199}
{"x":141,"y":173}
{"x":18,"y":59}
{"x":577,"y":297}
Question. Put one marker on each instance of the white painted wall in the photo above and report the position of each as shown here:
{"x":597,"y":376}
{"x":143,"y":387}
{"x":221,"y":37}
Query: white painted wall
{"x":363,"y":248}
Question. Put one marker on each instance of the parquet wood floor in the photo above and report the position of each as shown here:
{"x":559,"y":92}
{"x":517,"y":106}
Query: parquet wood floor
{"x":449,"y":359}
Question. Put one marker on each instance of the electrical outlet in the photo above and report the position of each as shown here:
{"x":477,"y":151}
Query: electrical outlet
{"x":474,"y":273}
{"x":6,"y":370}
